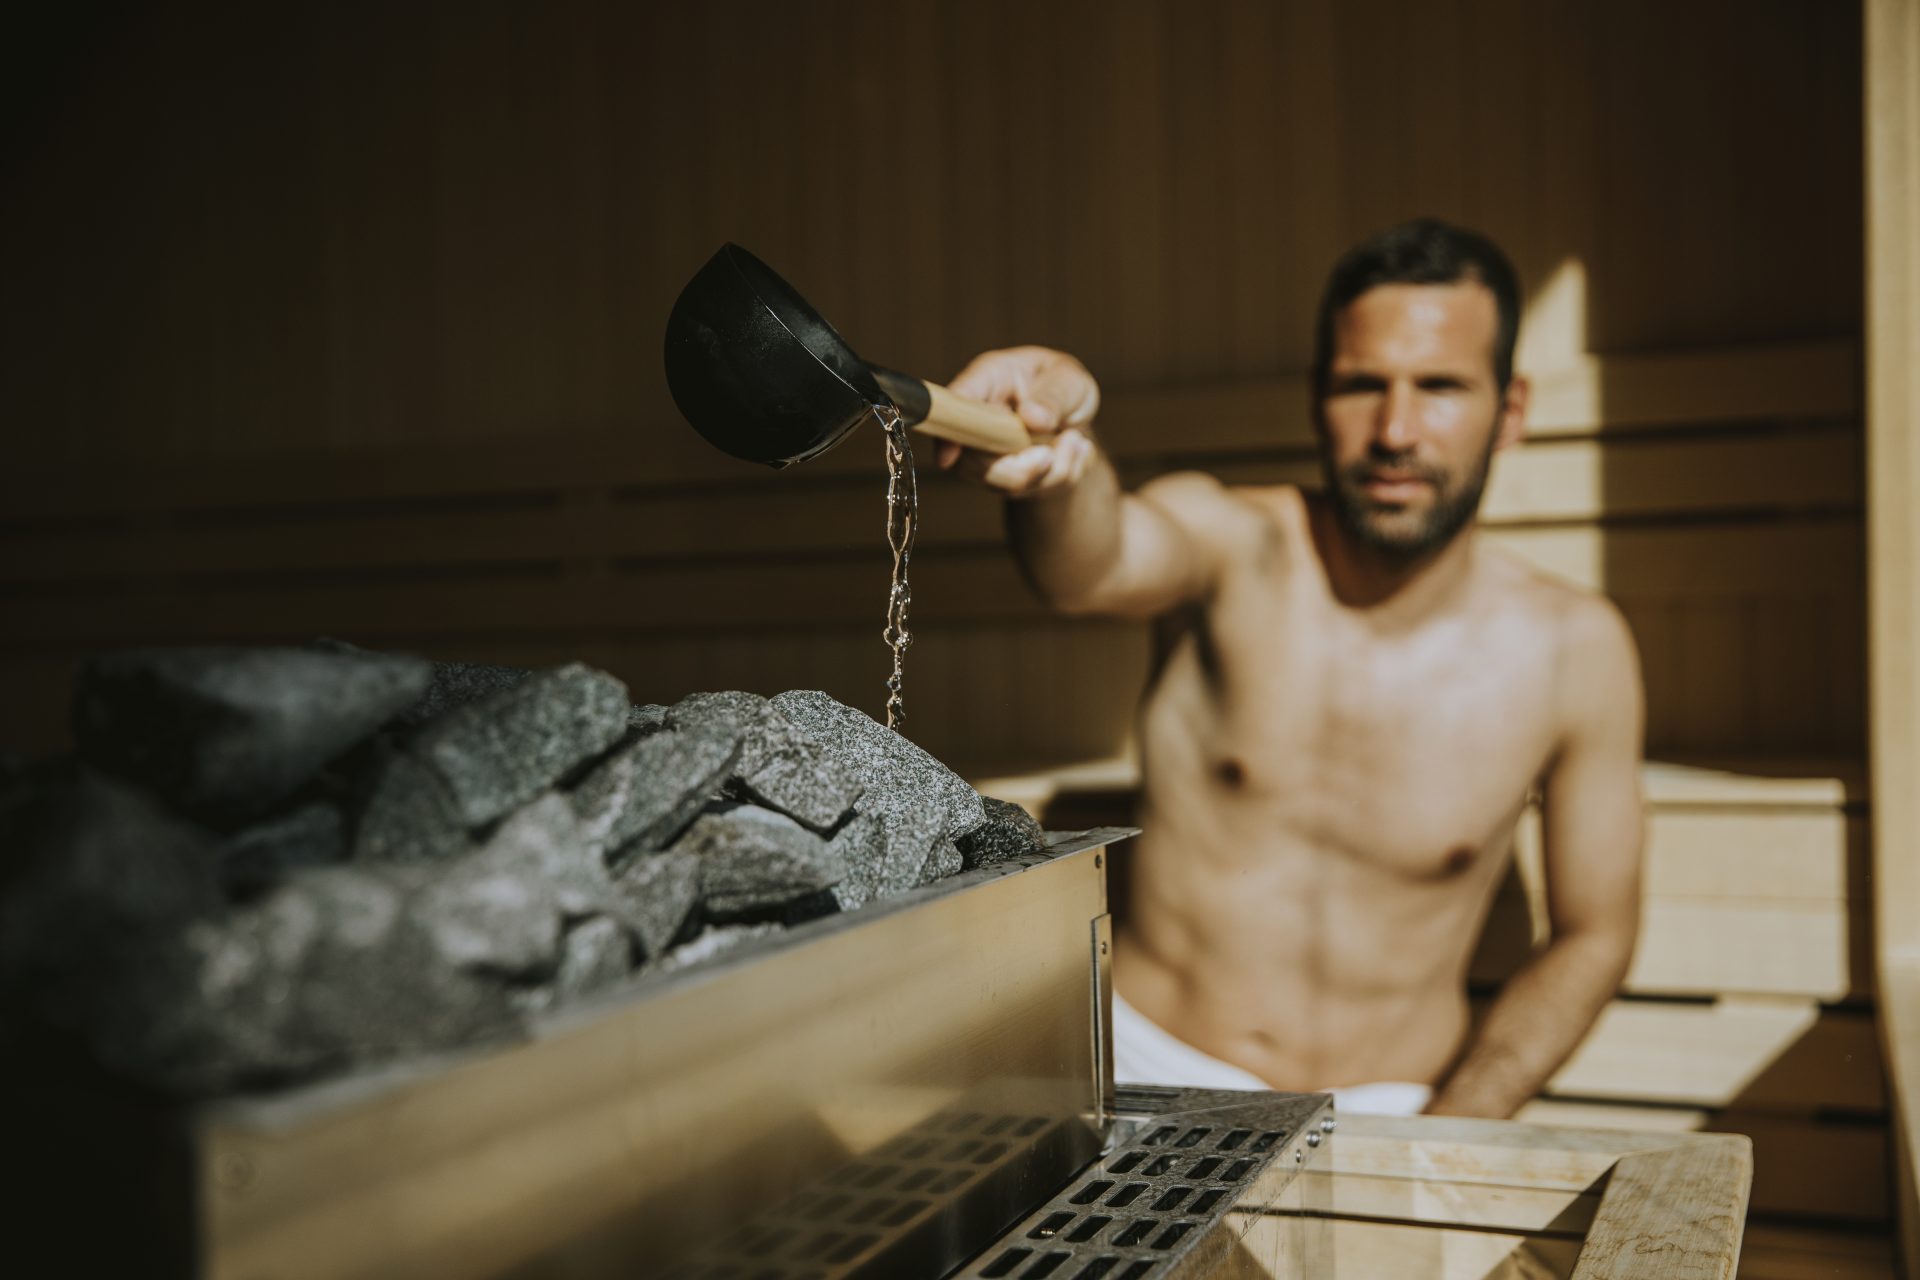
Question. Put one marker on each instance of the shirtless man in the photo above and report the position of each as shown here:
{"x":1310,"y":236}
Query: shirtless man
{"x":1352,"y":697}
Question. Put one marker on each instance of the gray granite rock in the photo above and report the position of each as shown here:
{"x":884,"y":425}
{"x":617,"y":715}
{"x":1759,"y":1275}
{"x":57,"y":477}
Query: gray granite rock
{"x":716,"y":941}
{"x":1009,"y":832}
{"x":408,"y":815}
{"x":862,"y":845}
{"x":645,"y":719}
{"x":642,"y":796}
{"x":95,"y":868}
{"x":597,"y":953}
{"x":944,"y":860}
{"x":496,"y":754}
{"x":918,"y":802}
{"x":732,"y":711}
{"x":455,"y":684}
{"x":223,"y":734}
{"x":753,"y":858}
{"x":503,"y":908}
{"x":779,"y":767}
{"x":313,"y":835}
{"x":657,"y":893}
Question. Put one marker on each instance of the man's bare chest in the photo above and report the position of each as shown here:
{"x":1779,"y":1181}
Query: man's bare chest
{"x":1413,"y":756}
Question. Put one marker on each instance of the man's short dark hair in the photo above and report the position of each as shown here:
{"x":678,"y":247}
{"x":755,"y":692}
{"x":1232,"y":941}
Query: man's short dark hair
{"x":1424,"y":251}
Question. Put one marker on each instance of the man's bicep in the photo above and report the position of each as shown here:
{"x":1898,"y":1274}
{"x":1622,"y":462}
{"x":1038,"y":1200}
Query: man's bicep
{"x":1594,"y":821}
{"x":1170,"y":545}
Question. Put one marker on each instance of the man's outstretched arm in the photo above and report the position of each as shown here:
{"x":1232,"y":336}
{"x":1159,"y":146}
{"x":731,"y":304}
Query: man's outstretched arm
{"x":1086,"y":546}
{"x":1594,"y":831}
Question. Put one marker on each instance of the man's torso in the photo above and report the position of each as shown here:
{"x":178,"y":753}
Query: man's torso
{"x":1328,"y":808}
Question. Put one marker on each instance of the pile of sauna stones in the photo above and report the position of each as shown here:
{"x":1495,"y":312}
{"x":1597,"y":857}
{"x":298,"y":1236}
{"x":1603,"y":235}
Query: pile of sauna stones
{"x":268,"y":865}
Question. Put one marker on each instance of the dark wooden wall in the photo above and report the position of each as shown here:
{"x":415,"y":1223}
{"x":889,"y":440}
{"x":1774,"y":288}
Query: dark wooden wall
{"x":347,"y":318}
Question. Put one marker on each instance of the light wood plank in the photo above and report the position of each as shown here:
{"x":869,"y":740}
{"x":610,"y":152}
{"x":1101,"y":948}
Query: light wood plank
{"x":1671,"y":1215}
{"x":1892,"y":142}
{"x":1751,"y":1052}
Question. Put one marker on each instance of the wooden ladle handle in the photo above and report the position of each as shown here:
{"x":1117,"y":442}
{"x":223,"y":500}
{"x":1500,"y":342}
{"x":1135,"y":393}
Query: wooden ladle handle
{"x":973,"y":423}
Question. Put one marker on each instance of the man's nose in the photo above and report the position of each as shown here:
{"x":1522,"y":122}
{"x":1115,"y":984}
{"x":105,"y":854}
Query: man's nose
{"x":1393,"y":430}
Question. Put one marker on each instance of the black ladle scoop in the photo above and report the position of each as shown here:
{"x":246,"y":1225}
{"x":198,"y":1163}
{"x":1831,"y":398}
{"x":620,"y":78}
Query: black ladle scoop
{"x":761,"y":375}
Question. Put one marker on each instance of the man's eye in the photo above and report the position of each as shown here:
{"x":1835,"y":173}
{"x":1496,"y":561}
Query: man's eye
{"x":1442,"y":384}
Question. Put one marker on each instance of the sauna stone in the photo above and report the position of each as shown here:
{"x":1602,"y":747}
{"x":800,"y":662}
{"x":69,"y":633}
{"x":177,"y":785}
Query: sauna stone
{"x":917,"y":801}
{"x":1009,"y":832}
{"x":313,"y":835}
{"x":657,"y":893}
{"x":643,"y":796}
{"x":596,"y":954}
{"x":95,"y":869}
{"x":779,"y":767}
{"x":753,"y":859}
{"x":222,"y":734}
{"x":496,"y":754}
{"x":408,"y":815}
{"x":455,"y":684}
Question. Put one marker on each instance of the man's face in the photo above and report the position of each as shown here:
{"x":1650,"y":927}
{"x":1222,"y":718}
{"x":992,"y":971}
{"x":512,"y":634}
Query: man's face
{"x":1411,"y":413}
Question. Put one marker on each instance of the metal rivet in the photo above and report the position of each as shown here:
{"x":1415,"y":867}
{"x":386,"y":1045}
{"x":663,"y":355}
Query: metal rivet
{"x":1326,"y":1126}
{"x":1103,"y":948}
{"x":1313,"y":1139}
{"x":1098,"y":861}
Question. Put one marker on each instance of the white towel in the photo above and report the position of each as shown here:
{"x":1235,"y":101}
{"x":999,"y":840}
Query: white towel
{"x":1144,"y":1052}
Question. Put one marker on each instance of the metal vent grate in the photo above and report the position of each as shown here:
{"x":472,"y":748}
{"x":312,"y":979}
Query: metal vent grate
{"x":860,"y":1218}
{"x":1184,"y":1159}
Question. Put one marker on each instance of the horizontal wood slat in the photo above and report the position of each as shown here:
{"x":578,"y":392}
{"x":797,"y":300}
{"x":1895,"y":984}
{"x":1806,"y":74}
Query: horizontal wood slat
{"x":1550,"y":483}
{"x":1704,"y":947}
{"x":1798,"y":383}
{"x":1745,"y":1052}
{"x":1807,"y":562}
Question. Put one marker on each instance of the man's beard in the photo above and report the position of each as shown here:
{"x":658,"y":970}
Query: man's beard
{"x":1388,"y":530}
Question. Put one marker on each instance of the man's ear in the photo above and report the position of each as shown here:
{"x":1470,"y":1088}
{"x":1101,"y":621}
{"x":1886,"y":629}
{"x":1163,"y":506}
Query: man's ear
{"x":1513,"y":413}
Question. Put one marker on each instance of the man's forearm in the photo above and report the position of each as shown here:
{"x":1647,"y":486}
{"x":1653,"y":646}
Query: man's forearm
{"x":1539,"y":1019}
{"x":1068,"y":541}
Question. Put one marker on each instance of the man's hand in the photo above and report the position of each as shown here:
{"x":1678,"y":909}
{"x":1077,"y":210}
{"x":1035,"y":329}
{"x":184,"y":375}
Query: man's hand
{"x":1054,"y":396}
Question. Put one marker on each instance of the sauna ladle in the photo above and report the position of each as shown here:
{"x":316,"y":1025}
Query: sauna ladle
{"x":762,"y":376}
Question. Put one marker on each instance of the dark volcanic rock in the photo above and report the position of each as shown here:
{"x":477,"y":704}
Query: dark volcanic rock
{"x":313,"y":835}
{"x":1009,"y":832}
{"x":496,"y":754}
{"x":919,"y":802}
{"x":408,"y":815}
{"x":753,"y":858}
{"x":645,"y":794}
{"x":222,"y":734}
{"x":657,"y":893}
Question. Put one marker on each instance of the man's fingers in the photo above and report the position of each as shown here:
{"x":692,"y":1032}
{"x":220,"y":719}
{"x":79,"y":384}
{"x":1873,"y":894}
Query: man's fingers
{"x":945,"y":454}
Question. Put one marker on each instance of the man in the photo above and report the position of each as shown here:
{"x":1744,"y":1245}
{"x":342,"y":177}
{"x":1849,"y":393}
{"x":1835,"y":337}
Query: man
{"x":1352,"y":698}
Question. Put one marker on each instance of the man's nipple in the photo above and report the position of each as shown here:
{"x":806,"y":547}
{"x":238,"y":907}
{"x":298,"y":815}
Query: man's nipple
{"x":1458,"y":859}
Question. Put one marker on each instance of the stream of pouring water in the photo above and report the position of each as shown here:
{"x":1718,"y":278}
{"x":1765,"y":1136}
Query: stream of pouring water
{"x":903,"y":520}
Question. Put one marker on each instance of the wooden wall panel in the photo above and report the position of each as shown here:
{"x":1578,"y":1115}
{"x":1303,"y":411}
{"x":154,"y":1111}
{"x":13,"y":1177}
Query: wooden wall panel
{"x":246,"y":230}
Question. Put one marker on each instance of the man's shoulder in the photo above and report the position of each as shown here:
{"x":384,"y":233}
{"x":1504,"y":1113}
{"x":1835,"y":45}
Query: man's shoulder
{"x":1230,"y":517}
{"x":1591,"y":643}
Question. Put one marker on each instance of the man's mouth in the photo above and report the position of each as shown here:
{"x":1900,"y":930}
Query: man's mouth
{"x":1394,"y":486}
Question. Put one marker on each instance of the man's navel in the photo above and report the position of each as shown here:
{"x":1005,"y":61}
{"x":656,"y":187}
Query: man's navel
{"x":1231,"y":773}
